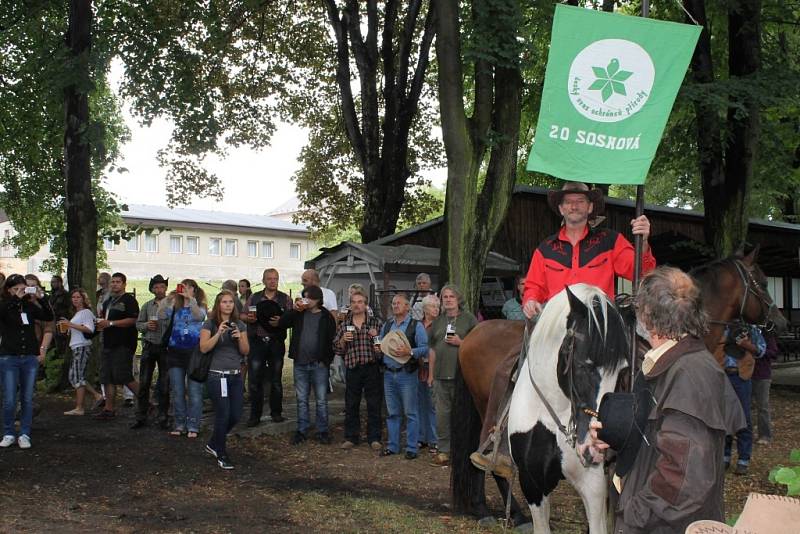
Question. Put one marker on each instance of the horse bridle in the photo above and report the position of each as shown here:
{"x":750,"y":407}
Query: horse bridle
{"x":749,"y":283}
{"x":570,"y":433}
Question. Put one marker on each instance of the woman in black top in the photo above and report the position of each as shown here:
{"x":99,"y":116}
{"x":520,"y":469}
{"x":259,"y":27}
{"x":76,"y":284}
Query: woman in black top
{"x":19,"y":311}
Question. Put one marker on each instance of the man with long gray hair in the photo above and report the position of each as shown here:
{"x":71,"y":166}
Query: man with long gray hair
{"x":676,"y":476}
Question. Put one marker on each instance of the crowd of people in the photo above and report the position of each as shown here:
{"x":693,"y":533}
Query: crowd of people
{"x":406,"y":364}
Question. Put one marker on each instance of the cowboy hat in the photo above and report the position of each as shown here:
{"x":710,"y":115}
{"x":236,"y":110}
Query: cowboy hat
{"x":595,"y":196}
{"x":624,"y":418}
{"x":394,"y":340}
{"x":762,"y":514}
{"x":157,"y":279}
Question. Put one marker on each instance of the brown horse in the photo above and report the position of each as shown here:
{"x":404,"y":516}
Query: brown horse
{"x":733,"y":291}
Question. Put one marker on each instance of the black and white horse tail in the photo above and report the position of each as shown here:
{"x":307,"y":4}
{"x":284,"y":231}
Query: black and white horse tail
{"x":466,"y":481}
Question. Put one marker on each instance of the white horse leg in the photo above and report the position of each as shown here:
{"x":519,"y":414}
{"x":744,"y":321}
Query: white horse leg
{"x":591,"y":486}
{"x":541,"y":516}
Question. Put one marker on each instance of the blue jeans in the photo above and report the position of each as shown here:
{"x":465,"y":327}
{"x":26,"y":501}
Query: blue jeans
{"x":18,"y":371}
{"x":400,"y":390}
{"x":227,"y":410}
{"x":744,"y":438}
{"x":306,"y":376}
{"x":427,"y":414}
{"x":186,"y":421}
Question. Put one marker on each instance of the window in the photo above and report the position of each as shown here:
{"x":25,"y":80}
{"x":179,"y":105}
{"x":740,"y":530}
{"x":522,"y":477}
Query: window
{"x":108,"y":244}
{"x":252,"y":249}
{"x":294,"y":251}
{"x":151,"y":243}
{"x":266,"y":249}
{"x":133,"y":244}
{"x":192,"y":245}
{"x":795,"y":293}
{"x":775,"y":289}
{"x":231,"y":247}
{"x":176,"y":244}
{"x":214,"y":245}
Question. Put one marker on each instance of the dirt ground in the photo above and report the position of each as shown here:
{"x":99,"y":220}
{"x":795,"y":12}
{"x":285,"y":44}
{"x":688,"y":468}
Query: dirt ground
{"x":86,"y":475}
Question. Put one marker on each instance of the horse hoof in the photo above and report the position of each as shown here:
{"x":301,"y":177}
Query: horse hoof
{"x":487,"y":521}
{"x":524,"y":528}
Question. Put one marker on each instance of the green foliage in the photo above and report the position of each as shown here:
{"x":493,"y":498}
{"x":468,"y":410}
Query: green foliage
{"x":788,"y":476}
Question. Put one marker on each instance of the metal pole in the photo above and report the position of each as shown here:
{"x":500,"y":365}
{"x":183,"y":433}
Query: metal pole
{"x":638,"y":244}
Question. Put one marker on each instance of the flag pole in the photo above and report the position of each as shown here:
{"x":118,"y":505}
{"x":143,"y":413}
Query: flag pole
{"x":638,"y":243}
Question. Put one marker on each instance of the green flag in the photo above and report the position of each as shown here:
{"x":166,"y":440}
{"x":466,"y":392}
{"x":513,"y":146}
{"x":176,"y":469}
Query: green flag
{"x":610,"y":84}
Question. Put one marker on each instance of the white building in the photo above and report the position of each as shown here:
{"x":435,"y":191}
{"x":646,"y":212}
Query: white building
{"x":206,"y":245}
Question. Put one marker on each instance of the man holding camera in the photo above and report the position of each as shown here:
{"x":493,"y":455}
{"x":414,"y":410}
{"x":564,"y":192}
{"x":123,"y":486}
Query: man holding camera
{"x":266,"y":351}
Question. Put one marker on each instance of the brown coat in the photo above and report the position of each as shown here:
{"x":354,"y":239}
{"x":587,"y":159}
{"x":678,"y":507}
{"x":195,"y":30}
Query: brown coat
{"x":679,"y":478}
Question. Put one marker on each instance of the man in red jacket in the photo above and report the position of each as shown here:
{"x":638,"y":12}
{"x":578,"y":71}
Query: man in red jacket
{"x":579,"y":253}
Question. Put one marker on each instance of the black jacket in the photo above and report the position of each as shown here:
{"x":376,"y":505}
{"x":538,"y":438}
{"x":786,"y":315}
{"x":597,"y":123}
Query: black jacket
{"x":327,"y":330}
{"x":18,"y":338}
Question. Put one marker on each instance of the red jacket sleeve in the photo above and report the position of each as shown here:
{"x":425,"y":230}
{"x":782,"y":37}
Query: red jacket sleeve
{"x":623,"y":255}
{"x":535,"y":282}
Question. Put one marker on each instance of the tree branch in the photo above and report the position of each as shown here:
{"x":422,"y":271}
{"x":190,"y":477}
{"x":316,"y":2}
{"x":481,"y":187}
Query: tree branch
{"x":343,"y":80}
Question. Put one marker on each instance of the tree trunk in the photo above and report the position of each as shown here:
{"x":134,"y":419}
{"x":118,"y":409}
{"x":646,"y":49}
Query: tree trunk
{"x":726,"y":174}
{"x":472,"y":214}
{"x":80,"y":206}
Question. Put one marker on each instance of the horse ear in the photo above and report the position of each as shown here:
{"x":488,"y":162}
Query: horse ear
{"x":575,"y":304}
{"x":751,"y":258}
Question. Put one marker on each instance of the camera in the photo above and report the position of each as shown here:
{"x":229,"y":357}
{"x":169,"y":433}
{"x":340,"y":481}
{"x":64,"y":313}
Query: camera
{"x":30,"y":290}
{"x":231,"y":325}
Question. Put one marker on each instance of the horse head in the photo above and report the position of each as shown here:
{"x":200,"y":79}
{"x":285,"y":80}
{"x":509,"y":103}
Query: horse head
{"x":757,"y":306}
{"x":594,"y":350}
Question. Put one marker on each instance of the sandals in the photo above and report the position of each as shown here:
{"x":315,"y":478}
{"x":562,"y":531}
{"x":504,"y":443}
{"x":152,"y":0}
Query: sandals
{"x":177,"y":432}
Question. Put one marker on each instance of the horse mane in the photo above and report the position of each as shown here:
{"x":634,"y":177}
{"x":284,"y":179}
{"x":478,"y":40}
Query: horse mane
{"x":551,"y":328}
{"x":706,"y":274}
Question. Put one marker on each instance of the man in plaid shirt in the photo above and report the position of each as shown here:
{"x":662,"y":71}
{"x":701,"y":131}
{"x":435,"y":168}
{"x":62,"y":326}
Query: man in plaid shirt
{"x":355,"y":343}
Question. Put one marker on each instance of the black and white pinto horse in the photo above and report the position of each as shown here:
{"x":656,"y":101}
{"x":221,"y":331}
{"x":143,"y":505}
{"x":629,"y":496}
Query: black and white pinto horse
{"x":575,"y":354}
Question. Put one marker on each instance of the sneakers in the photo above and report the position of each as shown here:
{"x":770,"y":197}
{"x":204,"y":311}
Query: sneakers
{"x":740,"y":470}
{"x":441,"y":460}
{"x":375,"y":446}
{"x":8,"y":441}
{"x":211,"y":451}
{"x":324,"y":438}
{"x":411,"y":455}
{"x":224,"y":463}
{"x":763,"y":441}
{"x":24,"y":442}
{"x":346,"y":445}
{"x":387,"y":452}
{"x":298,"y":438}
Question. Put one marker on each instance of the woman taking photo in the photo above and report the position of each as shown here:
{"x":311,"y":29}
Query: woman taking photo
{"x":184,"y":311}
{"x":19,"y":311}
{"x":82,"y":322}
{"x":225,"y":337}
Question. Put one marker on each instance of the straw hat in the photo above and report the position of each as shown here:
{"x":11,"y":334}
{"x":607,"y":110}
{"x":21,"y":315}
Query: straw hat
{"x":394,"y":340}
{"x":762,"y":514}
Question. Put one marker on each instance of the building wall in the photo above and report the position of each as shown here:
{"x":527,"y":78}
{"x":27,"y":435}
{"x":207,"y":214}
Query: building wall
{"x":143,"y":264}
